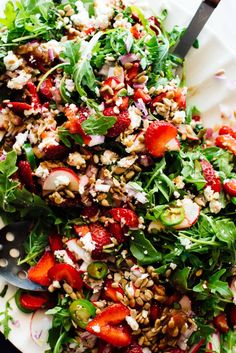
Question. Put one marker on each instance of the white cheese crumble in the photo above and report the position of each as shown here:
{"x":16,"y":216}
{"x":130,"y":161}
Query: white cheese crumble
{"x":96,"y":140}
{"x":48,"y":141}
{"x":210,"y":194}
{"x":179,"y":117}
{"x":82,"y":17}
{"x":20,"y":140}
{"x":132,"y":323}
{"x":76,"y":160}
{"x":135,"y":117}
{"x":88,"y":244}
{"x":127,"y":162}
{"x":11,"y":61}
{"x":41,"y":172}
{"x":96,"y":328}
{"x":136,"y":191}
{"x":185,"y":242}
{"x":215,"y":206}
{"x":69,"y":84}
{"x":19,"y":81}
{"x":100,"y":187}
{"x":61,"y":180}
{"x":62,"y":256}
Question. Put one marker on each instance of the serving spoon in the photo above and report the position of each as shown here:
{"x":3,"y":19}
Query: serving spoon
{"x":13,"y":236}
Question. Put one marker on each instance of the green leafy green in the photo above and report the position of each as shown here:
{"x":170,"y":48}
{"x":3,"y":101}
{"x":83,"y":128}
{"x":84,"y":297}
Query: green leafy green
{"x":98,"y":125}
{"x":229,"y":342}
{"x":67,"y":138}
{"x":7,"y":318}
{"x":142,"y":249}
{"x":214,"y":285}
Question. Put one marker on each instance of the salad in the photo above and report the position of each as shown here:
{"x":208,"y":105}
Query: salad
{"x":131,"y":198}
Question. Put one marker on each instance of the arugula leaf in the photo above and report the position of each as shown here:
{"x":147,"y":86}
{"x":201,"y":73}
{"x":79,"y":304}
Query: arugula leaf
{"x":10,"y":15}
{"x":66,"y":137}
{"x":71,"y":52}
{"x":179,"y":279}
{"x":214,"y":285}
{"x":229,"y":342}
{"x":142,"y":249}
{"x":98,"y":125}
{"x":7,"y":318}
{"x":226,"y":231}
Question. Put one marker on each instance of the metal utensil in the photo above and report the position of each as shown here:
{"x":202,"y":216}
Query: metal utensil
{"x":12,"y":238}
{"x":196,"y":25}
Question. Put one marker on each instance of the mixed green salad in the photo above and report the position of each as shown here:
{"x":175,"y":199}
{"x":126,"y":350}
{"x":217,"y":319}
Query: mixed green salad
{"x":131,"y":198}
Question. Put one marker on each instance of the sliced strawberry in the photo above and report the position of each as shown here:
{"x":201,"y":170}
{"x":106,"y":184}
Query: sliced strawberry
{"x":121,"y":124}
{"x":89,"y":211}
{"x":155,"y":312}
{"x":101,"y":237}
{"x":157,"y":137}
{"x":116,"y":230}
{"x":154,"y":24}
{"x":191,"y":211}
{"x":226,"y":142}
{"x":136,"y":32}
{"x":67,"y":273}
{"x":108,"y":325}
{"x":18,"y":106}
{"x":230,"y":187}
{"x":35,"y":101}
{"x":132,"y":72}
{"x":75,"y":120}
{"x":125,"y":217}
{"x":140,"y":94}
{"x":210,"y":176}
{"x":39,"y":272}
{"x":55,"y":241}
{"x":180,"y":98}
{"x":133,"y":348}
{"x":225,"y":130}
{"x":110,"y":292}
{"x":26,"y":175}
{"x":32,"y":301}
{"x":220,"y":323}
{"x":125,"y":102}
{"x":46,"y":88}
{"x":56,"y":152}
{"x":81,"y":230}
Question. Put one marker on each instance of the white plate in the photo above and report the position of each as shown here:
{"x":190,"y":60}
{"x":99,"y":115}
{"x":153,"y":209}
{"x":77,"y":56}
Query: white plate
{"x":211,"y":95}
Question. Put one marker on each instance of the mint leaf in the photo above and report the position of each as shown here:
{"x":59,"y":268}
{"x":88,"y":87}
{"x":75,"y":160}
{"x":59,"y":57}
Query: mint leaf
{"x":142,"y":249}
{"x":98,"y":125}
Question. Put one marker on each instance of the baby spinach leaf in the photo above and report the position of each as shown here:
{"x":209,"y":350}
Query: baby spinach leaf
{"x":98,"y":125}
{"x":142,"y":249}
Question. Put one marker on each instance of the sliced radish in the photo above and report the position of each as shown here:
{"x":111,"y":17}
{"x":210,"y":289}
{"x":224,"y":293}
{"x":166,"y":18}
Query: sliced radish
{"x":213,"y":346}
{"x":78,"y":251}
{"x":39,"y":326}
{"x":173,"y":145}
{"x":61,"y":176}
{"x":192,"y":212}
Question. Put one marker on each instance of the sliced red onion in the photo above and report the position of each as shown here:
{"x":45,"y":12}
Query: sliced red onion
{"x":138,"y":85}
{"x":105,"y":69}
{"x":197,"y":346}
{"x":51,"y":54}
{"x":128,"y":58}
{"x":141,"y":106}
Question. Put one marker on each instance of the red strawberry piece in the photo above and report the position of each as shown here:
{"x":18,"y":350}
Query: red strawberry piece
{"x":39,"y":272}
{"x":81,"y":230}
{"x":101,"y":237}
{"x":132,"y":72}
{"x":220,"y":323}
{"x":158,"y":135}
{"x":136,"y":32}
{"x":75,"y":120}
{"x":67,"y":273}
{"x":35,"y":101}
{"x":121,"y":124}
{"x":230,"y":187}
{"x":18,"y":106}
{"x":26,"y":176}
{"x":155,"y":312}
{"x":157,"y":99}
{"x":46,"y":88}
{"x":226,"y":142}
{"x":180,"y":98}
{"x":225,"y":130}
{"x":104,"y":347}
{"x":210,"y":176}
{"x":125,"y":217}
{"x":116,"y":231}
{"x":110,"y":293}
{"x":125,"y":102}
{"x":56,"y":152}
{"x":133,"y":348}
{"x":32,"y":301}
{"x":55,"y":241}
{"x":140,"y":94}
{"x":111,"y":82}
{"x":89,"y":211}
{"x":108,"y":325}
